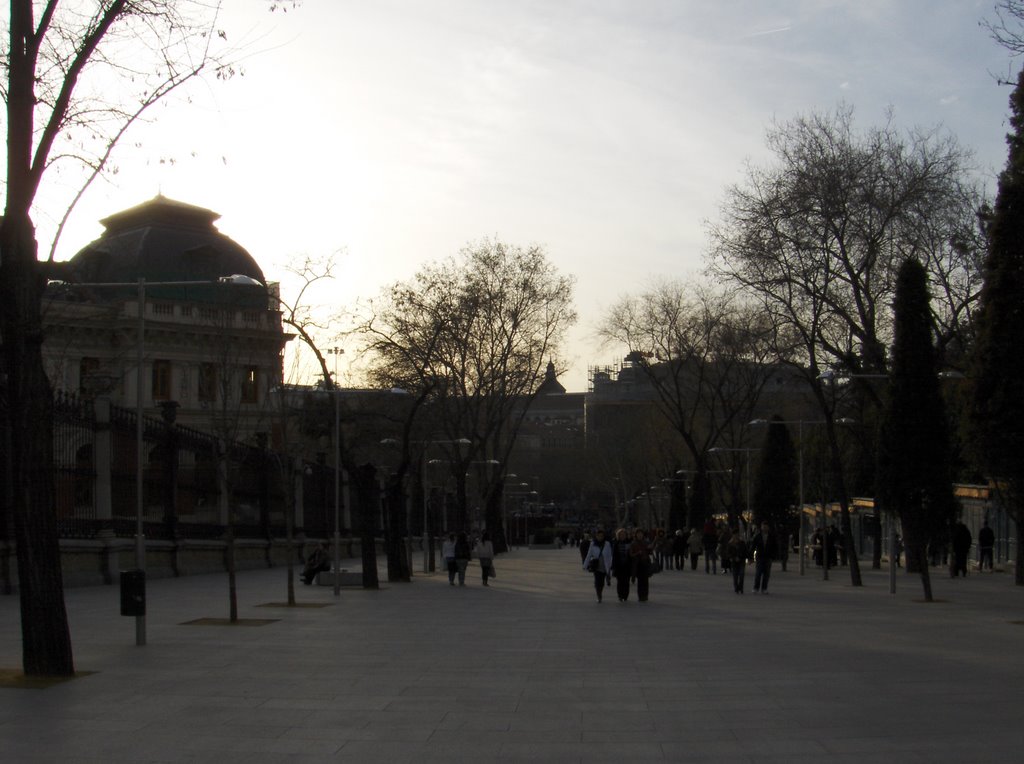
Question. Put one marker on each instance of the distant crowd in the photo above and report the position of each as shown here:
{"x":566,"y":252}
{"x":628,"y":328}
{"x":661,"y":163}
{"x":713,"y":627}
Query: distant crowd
{"x":632,"y":558}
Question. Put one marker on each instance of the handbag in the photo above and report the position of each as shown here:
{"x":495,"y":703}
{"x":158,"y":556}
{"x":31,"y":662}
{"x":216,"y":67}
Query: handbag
{"x":491,"y":573}
{"x":655,"y":566}
{"x":592,"y":565}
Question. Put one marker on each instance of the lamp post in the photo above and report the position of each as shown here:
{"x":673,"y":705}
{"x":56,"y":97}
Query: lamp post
{"x":504,"y":507}
{"x":140,"y":286}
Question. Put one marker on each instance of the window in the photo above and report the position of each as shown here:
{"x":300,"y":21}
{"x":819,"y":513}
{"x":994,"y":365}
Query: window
{"x":250,"y":375}
{"x":161,"y":380}
{"x":207,"y":383}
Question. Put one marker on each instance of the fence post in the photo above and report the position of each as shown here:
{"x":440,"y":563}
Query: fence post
{"x":298,"y":486}
{"x":169,"y":438}
{"x":102,"y":456}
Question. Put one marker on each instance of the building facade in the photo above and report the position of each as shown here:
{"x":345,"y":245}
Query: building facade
{"x":211,"y":351}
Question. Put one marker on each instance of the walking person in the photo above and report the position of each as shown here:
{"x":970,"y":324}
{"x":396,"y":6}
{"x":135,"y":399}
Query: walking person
{"x":640,"y":563}
{"x":765,"y":548}
{"x":725,"y":535}
{"x":585,"y":546}
{"x":679,"y":550}
{"x":986,"y":544}
{"x":694,"y":544}
{"x":663,"y":549}
{"x":462,"y":557}
{"x":484,"y":551}
{"x":621,"y":564}
{"x":710,"y":538}
{"x":738,"y":554}
{"x":599,"y":562}
{"x":448,"y":555}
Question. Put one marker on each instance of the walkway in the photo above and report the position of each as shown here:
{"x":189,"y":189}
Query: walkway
{"x":532,"y":668}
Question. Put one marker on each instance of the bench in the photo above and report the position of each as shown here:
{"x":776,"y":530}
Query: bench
{"x":345,"y":578}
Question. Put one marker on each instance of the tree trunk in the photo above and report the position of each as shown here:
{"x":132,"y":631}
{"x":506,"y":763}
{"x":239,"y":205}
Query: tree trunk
{"x":919,"y":552}
{"x":367,"y":500}
{"x":493,"y":522}
{"x":229,"y":554}
{"x":46,"y":639}
{"x":844,"y":508}
{"x":1018,"y":572}
{"x":399,"y":564}
{"x":876,"y":536}
{"x":289,"y":524}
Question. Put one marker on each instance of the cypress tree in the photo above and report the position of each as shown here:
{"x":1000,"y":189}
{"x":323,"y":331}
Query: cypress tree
{"x":775,"y":491}
{"x":996,"y":414}
{"x":914,"y":472}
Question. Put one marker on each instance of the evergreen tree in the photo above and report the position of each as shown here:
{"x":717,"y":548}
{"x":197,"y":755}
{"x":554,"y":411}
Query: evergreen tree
{"x":914,"y":473}
{"x":997,"y":370}
{"x":775,"y":492}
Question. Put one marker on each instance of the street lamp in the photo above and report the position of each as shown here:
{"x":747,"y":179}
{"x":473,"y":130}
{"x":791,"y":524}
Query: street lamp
{"x":140,"y":345}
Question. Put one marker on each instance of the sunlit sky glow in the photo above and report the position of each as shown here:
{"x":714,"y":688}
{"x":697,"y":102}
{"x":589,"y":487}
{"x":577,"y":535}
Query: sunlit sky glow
{"x":400,"y":130}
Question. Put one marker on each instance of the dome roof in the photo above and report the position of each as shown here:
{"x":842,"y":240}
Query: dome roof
{"x":166,"y":240}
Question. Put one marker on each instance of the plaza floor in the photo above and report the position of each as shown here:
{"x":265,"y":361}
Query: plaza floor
{"x":533,"y":668}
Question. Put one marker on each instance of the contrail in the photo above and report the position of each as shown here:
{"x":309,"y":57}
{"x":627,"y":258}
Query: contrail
{"x":766,"y":32}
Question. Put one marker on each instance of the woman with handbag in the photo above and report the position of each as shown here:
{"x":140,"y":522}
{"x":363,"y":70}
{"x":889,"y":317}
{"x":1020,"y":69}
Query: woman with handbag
{"x":640,"y":559}
{"x":484,"y":551}
{"x":599,"y":562}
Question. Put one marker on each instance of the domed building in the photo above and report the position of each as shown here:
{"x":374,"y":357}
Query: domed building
{"x":212,"y":340}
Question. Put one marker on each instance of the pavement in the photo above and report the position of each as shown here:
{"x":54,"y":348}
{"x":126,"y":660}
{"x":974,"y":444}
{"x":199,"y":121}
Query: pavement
{"x":532,"y":668}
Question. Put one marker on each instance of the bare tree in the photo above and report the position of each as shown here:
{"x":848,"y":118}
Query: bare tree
{"x":817,"y":237}
{"x":476,"y":332}
{"x":70,"y":96}
{"x":704,"y":353}
{"x":1006,"y":25}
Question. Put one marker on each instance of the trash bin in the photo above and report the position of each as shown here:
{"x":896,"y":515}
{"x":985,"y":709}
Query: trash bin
{"x":133,"y":592}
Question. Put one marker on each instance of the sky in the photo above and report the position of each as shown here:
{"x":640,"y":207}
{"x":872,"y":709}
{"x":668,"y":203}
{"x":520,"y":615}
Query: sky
{"x":396,"y":132}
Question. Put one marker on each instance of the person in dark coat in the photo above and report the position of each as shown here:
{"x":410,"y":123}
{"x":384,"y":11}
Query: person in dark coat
{"x":738,"y":553}
{"x":640,"y":559}
{"x":319,"y":561}
{"x":765,"y":548}
{"x":679,"y":550}
{"x":961,"y":548}
{"x":621,"y":565}
{"x":463,"y":553}
{"x":986,"y":543}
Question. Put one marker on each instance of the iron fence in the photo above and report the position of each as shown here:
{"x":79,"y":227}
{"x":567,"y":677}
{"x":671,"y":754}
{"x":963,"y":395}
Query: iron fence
{"x":95,"y":473}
